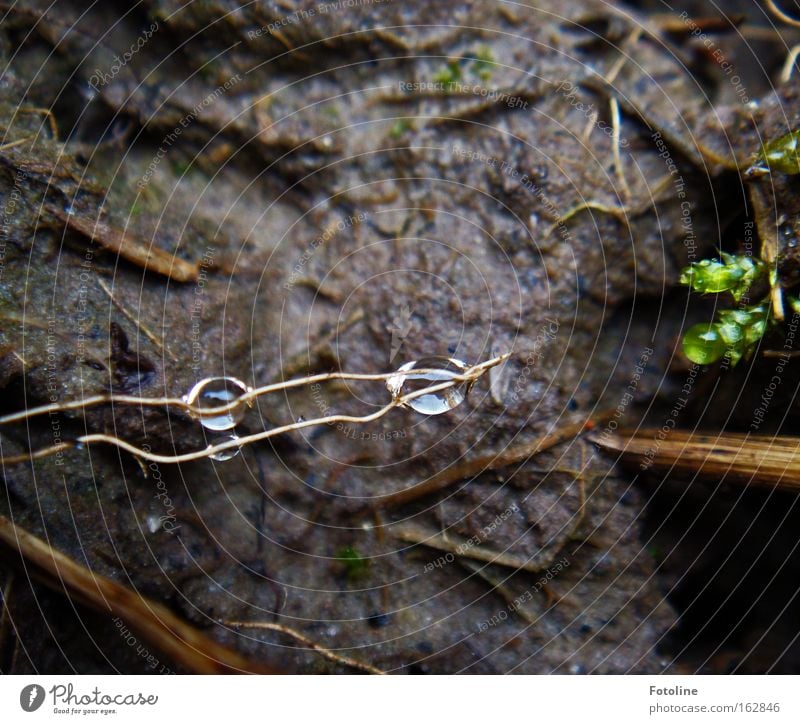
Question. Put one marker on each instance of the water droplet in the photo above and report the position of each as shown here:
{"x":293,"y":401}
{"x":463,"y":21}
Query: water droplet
{"x":227,"y":454}
{"x":214,"y":392}
{"x":301,"y":419}
{"x":70,"y":210}
{"x":444,"y":368}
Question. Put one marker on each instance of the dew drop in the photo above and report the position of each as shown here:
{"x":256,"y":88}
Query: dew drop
{"x":214,"y":392}
{"x":404,"y":381}
{"x":153,"y":523}
{"x":227,"y":454}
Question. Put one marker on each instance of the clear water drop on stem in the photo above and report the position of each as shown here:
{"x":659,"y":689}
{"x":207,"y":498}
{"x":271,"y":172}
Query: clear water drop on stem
{"x":442,"y":369}
{"x":228,"y":453}
{"x":213,"y":392}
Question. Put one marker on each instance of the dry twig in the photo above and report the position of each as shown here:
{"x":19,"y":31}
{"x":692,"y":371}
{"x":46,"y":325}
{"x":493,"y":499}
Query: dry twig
{"x":752,"y":459}
{"x":151,"y":621}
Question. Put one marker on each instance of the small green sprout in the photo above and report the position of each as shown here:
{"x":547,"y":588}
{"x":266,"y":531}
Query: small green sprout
{"x":484,"y":63}
{"x":703,"y":344}
{"x":180,"y":167}
{"x":735,"y":332}
{"x":479,"y":64}
{"x":399,"y":128}
{"x":449,"y":75}
{"x":780,"y":154}
{"x":354,"y":563}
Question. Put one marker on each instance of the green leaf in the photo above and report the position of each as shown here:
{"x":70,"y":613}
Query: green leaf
{"x":710,"y":276}
{"x":734,"y":274}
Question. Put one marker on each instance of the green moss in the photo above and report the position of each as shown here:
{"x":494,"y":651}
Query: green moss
{"x":400,"y":127}
{"x":703,"y":344}
{"x":449,"y":75}
{"x":735,"y":332}
{"x":484,"y":63}
{"x":355,"y":565}
{"x":180,"y":167}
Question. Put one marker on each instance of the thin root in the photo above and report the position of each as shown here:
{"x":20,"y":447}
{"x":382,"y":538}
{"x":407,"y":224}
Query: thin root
{"x":473,"y":468}
{"x":619,"y":213}
{"x":319,"y":648}
{"x":50,"y":118}
{"x":135,"y":320}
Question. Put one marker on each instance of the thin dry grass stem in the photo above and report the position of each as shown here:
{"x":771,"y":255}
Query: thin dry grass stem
{"x":764,"y":218}
{"x":306,"y":641}
{"x":749,"y":459}
{"x":615,"y":140}
{"x":672,"y":23}
{"x":501,"y":589}
{"x":300,"y":362}
{"x":51,"y":119}
{"x":139,"y":251}
{"x":447,"y":542}
{"x":788,"y":65}
{"x":492,"y":461}
{"x":134,"y":319}
{"x":459,"y":547}
{"x":612,"y":74}
{"x":152,"y":622}
{"x":14,"y":144}
{"x":470,"y":375}
{"x":617,"y":212}
{"x":700,"y":155}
